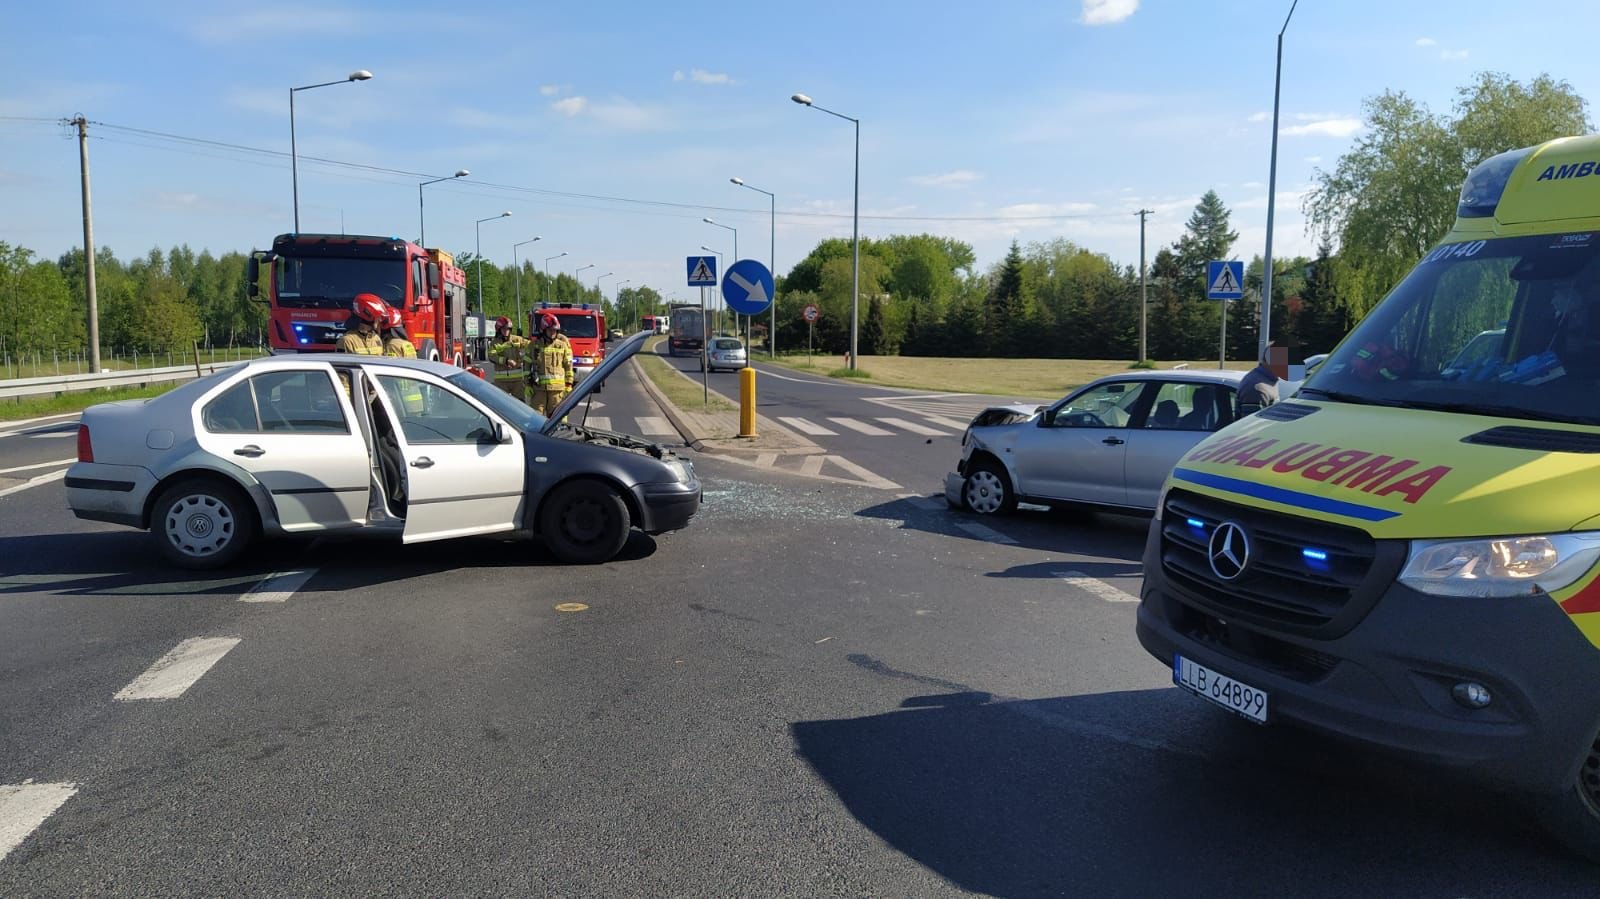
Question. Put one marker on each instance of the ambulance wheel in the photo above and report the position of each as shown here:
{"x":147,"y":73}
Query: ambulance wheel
{"x":430,"y":351}
{"x":987,"y":490}
{"x":1573,"y":816}
{"x":584,"y":522}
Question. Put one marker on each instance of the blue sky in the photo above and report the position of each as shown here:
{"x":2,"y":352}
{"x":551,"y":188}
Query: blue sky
{"x":988,"y":113}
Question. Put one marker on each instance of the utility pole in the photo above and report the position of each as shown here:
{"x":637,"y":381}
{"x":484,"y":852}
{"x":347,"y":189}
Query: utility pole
{"x":88,"y":245}
{"x":1144,"y":290}
{"x":1265,"y":336}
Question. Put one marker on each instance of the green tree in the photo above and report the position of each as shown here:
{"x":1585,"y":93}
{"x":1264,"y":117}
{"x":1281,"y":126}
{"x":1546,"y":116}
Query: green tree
{"x":1007,"y":309}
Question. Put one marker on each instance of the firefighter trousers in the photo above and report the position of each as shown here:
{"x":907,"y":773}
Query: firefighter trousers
{"x":546,"y":401}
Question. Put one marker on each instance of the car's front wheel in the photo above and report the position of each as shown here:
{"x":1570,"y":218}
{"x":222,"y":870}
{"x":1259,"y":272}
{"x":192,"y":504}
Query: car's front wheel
{"x":1573,"y":817}
{"x":585,"y":522}
{"x":987,"y":490}
{"x":202,"y":523}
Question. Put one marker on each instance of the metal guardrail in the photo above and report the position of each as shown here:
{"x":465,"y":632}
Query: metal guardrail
{"x":55,"y":384}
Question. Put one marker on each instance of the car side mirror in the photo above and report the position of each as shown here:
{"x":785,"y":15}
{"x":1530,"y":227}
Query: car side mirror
{"x":252,"y":272}
{"x":1048,"y":419}
{"x":500,"y":434}
{"x":433,"y":281}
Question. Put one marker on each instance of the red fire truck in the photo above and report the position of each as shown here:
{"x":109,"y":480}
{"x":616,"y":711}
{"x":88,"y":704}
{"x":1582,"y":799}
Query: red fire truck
{"x":585,"y":327}
{"x":312,"y":279}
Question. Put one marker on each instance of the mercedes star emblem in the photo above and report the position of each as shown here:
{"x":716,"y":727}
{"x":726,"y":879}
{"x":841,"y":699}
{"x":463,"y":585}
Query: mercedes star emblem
{"x":1229,"y":551}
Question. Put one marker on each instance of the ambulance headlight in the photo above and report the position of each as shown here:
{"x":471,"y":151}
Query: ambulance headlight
{"x":1500,"y":566}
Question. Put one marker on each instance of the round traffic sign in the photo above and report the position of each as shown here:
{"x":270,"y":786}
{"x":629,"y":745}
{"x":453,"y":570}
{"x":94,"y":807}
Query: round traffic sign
{"x":810,"y":313}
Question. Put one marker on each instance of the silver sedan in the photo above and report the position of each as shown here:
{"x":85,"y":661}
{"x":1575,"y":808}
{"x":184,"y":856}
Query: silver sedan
{"x":1108,"y":445}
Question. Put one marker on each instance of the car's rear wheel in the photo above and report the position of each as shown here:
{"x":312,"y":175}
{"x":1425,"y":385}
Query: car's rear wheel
{"x":1573,"y":817}
{"x":584,"y":522}
{"x":987,"y":490}
{"x":201,"y":523}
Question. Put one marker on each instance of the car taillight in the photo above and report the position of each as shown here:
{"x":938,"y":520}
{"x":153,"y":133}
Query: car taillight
{"x":85,"y":449}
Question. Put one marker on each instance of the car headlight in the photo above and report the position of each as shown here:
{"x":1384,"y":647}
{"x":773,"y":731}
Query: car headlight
{"x":1500,"y":566}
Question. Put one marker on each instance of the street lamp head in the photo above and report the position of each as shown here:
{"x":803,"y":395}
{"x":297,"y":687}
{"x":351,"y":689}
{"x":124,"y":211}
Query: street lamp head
{"x":738,"y":181}
{"x":361,"y":75}
{"x":461,"y":173}
{"x":504,"y":214}
{"x":708,"y":221}
{"x":802,"y":99}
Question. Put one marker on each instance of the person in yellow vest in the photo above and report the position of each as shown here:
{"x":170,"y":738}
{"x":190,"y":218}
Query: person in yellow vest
{"x":370,"y":315}
{"x":506,"y":352}
{"x":551,"y":375}
{"x":395,"y":340}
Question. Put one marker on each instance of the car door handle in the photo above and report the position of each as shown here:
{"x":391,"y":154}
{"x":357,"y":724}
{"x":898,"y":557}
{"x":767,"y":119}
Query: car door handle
{"x":251,"y":450}
{"x":1113,"y":441}
{"x":422,"y":462}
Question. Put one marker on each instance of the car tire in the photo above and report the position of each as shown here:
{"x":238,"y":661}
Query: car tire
{"x":1573,"y":816}
{"x":429,"y":351}
{"x":987,"y":490}
{"x":202,"y":523}
{"x":584,"y":522}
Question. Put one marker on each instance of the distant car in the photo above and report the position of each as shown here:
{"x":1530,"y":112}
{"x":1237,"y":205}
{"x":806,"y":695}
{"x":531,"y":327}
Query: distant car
{"x":725,"y":352}
{"x":1482,"y":346}
{"x":277,"y":446}
{"x":615,"y":334}
{"x":1108,"y":445}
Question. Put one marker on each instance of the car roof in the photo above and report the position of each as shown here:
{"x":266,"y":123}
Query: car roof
{"x":1195,"y":375}
{"x":291,"y":360}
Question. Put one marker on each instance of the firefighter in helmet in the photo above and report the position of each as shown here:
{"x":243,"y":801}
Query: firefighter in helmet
{"x":395,"y":340}
{"x":370,"y":315}
{"x":507,"y":349}
{"x":551,"y":374}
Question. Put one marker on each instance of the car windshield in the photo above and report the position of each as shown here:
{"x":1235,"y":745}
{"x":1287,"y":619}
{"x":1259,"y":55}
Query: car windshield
{"x":521,"y":416}
{"x":321,"y":282}
{"x":580,"y":325}
{"x":1507,"y":327}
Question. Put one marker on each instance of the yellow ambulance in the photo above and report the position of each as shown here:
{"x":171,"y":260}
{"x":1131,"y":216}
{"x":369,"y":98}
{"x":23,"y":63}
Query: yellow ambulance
{"x":1407,"y":552}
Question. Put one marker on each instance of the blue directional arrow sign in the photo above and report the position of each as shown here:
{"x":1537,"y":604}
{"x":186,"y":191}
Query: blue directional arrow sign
{"x":1224,"y":280}
{"x":702,"y":271}
{"x":747,"y":287}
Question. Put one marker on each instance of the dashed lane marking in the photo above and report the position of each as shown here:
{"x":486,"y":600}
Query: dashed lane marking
{"x":278,"y":586}
{"x":985,"y":533}
{"x":1095,"y":587}
{"x":766,"y":460}
{"x":25,"y":806}
{"x":870,"y":479}
{"x":34,"y":482}
{"x":176,"y":672}
{"x":913,"y":427}
{"x":808,"y":427}
{"x":37,"y":465}
{"x":602,"y":422}
{"x":811,"y":466}
{"x":861,"y":426}
{"x":655,"y":426}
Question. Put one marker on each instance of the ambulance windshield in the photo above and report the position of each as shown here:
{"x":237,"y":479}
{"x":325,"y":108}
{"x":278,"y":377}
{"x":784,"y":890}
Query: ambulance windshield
{"x":1507,"y":327}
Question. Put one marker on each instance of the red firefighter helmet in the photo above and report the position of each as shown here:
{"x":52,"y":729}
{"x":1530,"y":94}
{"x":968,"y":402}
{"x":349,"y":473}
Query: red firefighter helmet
{"x":502,"y":323}
{"x":391,"y":318}
{"x":548,"y":322}
{"x":369,"y":308}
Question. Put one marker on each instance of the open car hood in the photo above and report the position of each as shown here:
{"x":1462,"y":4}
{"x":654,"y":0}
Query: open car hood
{"x":615,"y":356}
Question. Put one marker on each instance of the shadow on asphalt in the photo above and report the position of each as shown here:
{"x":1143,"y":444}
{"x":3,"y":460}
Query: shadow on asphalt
{"x":1076,"y":796}
{"x":122,"y":562}
{"x":1052,"y":570}
{"x":1058,"y":531}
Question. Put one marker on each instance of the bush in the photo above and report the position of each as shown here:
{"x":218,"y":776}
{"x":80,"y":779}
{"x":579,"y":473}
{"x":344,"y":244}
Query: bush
{"x":1143,"y":364}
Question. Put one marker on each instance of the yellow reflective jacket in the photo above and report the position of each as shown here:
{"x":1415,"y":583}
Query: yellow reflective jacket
{"x":509,"y":349}
{"x":368,"y":344}
{"x":552,"y":365}
{"x":400,"y":347}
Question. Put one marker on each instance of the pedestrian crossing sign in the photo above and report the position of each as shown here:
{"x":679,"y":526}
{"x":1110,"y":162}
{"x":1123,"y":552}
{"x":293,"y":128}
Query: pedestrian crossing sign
{"x":702,"y":271}
{"x":1224,"y":280}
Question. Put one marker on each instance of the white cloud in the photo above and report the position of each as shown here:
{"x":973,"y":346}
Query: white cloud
{"x":1107,"y":12}
{"x":1041,"y":210}
{"x":1453,"y":54}
{"x":1261,"y":116}
{"x":1426,"y":42}
{"x":1338,"y":127}
{"x":260,"y":22}
{"x":549,"y":90}
{"x":626,"y":115}
{"x":957,"y":178}
{"x":571,"y":106}
{"x":701,"y":76}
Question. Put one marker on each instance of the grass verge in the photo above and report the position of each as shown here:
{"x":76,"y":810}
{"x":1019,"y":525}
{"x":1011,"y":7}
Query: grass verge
{"x":1045,"y":378}
{"x":77,"y":401}
{"x":682,"y":392}
{"x":849,"y":373}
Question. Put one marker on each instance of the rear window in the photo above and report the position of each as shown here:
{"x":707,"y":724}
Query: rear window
{"x":726,"y":344}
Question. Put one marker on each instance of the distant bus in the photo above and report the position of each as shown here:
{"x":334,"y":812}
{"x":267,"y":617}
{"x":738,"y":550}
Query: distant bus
{"x":687,"y":331}
{"x":655,"y":324}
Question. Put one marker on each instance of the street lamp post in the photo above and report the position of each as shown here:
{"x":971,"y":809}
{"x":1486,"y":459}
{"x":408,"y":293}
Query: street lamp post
{"x":735,"y":259}
{"x":477,"y":250}
{"x":519,"y":274}
{"x":855,"y":228}
{"x":294,"y":155}
{"x":422,"y":226}
{"x":547,"y":273}
{"x":600,"y":296}
{"x":618,"y":290}
{"x":1272,"y":193}
{"x":772,"y":262}
{"x":717,"y":301}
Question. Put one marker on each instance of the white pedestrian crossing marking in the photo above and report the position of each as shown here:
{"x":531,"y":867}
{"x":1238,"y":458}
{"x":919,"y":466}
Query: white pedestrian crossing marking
{"x":913,"y":427}
{"x":948,"y":422}
{"x":655,"y":426}
{"x":1095,"y":587}
{"x":812,"y":465}
{"x":23,"y":807}
{"x":279,"y":586}
{"x":861,"y":426}
{"x":808,"y":427}
{"x":602,"y":422}
{"x":177,"y":671}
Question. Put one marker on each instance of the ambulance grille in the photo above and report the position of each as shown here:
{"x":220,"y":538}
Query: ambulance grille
{"x":1301,"y":577}
{"x":1286,"y":411}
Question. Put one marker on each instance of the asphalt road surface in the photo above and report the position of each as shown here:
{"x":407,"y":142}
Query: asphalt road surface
{"x":816,"y":689}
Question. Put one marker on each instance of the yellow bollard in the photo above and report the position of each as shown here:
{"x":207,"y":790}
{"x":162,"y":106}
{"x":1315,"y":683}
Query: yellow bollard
{"x":747,"y":402}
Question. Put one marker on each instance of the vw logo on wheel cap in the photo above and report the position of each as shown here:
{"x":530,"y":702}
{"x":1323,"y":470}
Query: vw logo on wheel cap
{"x":1229,"y":551}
